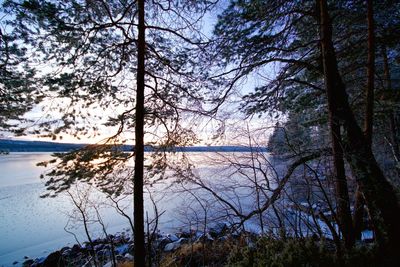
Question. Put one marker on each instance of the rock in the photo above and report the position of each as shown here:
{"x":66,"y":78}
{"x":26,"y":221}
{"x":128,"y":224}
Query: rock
{"x":198,"y":234}
{"x":131,"y":247}
{"x":64,"y":249}
{"x":122,"y":249}
{"x":128,"y":257}
{"x":54,"y":259}
{"x":66,"y":253}
{"x":98,"y":247}
{"x":26,"y":257}
{"x":172,"y":237}
{"x":119,"y":258}
{"x":75,"y":249}
{"x":174,"y":245}
{"x":204,"y":237}
{"x":103,"y":252}
{"x":118,"y":239}
{"x":171,"y":246}
{"x":38,"y":262}
{"x":217,"y":230}
{"x":88,"y":246}
{"x":28,"y":262}
{"x":15,"y":262}
{"x":183,"y":234}
{"x":160,"y":243}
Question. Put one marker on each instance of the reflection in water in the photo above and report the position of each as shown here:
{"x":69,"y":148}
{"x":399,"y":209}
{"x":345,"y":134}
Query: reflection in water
{"x":33,"y":226}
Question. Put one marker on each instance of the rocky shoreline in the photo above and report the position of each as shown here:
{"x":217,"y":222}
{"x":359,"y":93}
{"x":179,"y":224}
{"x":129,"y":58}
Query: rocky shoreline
{"x":118,"y":248}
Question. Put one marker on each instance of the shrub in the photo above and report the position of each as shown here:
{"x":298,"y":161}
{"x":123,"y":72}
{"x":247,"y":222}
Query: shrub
{"x":300,"y":252}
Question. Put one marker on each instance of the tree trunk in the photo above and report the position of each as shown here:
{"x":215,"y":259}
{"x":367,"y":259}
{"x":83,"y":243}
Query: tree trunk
{"x":386,"y":69}
{"x":393,"y":136}
{"x":369,"y":111}
{"x":392,"y":119}
{"x":139,"y":249}
{"x":379,"y":194}
{"x":358,"y":217}
{"x":342,"y":193}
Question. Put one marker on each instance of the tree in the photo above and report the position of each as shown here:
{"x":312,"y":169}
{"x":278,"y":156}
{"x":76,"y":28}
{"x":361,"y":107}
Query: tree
{"x":259,"y":37}
{"x":18,"y":91}
{"x":139,"y":142}
{"x":96,"y":48}
{"x":380,"y":196}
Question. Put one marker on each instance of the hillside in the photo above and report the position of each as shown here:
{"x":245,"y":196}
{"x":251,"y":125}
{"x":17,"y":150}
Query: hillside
{"x":7,"y":145}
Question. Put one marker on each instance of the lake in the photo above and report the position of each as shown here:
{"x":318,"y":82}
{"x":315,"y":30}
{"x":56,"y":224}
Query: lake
{"x":32,"y":226}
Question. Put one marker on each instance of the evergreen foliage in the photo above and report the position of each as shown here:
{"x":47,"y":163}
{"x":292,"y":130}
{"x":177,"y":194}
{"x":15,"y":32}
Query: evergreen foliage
{"x":19,"y":90}
{"x":90,"y":48}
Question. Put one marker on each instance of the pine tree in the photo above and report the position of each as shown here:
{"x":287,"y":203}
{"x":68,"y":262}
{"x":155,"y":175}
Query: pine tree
{"x":134,"y":57}
{"x":285,"y":36}
{"x":18,"y":86}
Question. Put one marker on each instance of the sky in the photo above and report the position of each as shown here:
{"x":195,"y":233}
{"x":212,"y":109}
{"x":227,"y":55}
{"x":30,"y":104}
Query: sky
{"x":236,"y":124}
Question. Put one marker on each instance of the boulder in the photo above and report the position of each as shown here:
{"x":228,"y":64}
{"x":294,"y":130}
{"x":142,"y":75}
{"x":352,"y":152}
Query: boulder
{"x":38,"y":262}
{"x":98,"y":247}
{"x":172,"y":237}
{"x":175,"y":245}
{"x":54,"y":259}
{"x":171,"y":246}
{"x":28,"y":262}
{"x":122,"y":249}
{"x":128,"y":257}
{"x":162,"y":242}
{"x":104,"y":252}
{"x":75,"y":249}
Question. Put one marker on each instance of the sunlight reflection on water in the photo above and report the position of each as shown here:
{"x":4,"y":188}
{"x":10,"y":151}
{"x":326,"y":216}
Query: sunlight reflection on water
{"x":32,"y":226}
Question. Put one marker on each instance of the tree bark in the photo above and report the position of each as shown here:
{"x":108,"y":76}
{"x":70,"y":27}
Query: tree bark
{"x":379,"y":194}
{"x":392,"y":119}
{"x":342,"y":193}
{"x":369,"y":111}
{"x":386,"y":69}
{"x":369,"y":94}
{"x":139,"y":249}
{"x":358,"y":217}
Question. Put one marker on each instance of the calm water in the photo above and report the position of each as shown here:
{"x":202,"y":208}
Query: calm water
{"x":32,"y":226}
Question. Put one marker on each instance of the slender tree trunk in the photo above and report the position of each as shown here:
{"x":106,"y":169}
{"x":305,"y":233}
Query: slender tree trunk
{"x":393,"y":133}
{"x":358,"y":217}
{"x":392,"y":119}
{"x":139,"y":249}
{"x":342,"y":193}
{"x":369,"y":111}
{"x":386,"y":69}
{"x":378,"y":192}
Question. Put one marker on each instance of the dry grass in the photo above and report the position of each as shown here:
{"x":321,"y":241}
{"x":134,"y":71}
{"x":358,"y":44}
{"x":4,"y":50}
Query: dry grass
{"x":199,"y":254}
{"x":125,"y":264}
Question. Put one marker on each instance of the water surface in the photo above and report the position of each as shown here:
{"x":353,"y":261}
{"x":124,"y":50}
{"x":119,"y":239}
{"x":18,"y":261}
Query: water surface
{"x":32,"y":226}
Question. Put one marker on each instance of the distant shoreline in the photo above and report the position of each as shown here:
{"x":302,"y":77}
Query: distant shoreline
{"x":8,"y":146}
